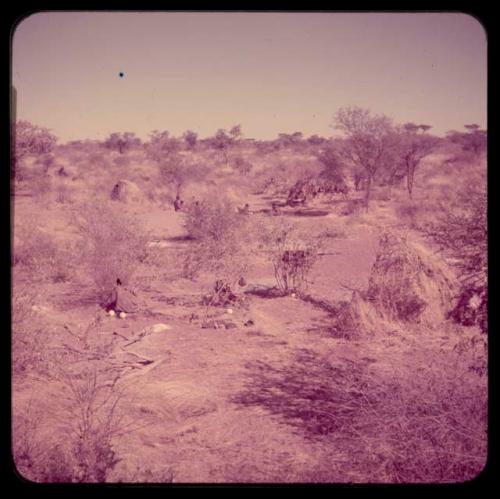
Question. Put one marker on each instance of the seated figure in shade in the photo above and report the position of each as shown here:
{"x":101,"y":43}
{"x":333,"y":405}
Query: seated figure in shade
{"x":122,"y":300}
{"x":178,"y":202}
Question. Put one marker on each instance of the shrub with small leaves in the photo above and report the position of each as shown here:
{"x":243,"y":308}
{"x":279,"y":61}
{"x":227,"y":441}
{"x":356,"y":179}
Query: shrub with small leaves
{"x":114,"y":244}
{"x":293,"y":253}
{"x":222,"y":239}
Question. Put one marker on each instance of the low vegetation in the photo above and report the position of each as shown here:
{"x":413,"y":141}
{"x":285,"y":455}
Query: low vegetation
{"x":311,"y":309}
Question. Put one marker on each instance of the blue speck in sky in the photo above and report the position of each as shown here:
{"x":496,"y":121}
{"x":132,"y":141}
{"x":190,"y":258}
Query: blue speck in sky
{"x":121,"y":74}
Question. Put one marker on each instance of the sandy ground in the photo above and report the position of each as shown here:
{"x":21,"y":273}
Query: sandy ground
{"x":190,"y":385}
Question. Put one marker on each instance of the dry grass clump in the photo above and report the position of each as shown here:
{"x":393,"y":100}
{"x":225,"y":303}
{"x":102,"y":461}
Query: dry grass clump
{"x":84,"y":411}
{"x":40,"y":185}
{"x":121,"y":161}
{"x":352,"y":207}
{"x":420,"y":422}
{"x":114,"y":244}
{"x":84,"y":419}
{"x":29,"y":337}
{"x":64,"y":193}
{"x":242,"y":166}
{"x":416,"y":214}
{"x":407,"y":285}
{"x":40,"y":255}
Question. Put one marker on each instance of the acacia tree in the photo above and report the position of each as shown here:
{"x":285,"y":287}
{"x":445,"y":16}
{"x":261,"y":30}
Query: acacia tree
{"x":176,"y":172}
{"x":161,"y":145}
{"x":222,"y":142}
{"x":474,"y":140}
{"x":414,"y":147}
{"x":316,"y":140}
{"x":424,"y":128}
{"x":190,"y":138}
{"x":30,"y":139}
{"x":333,"y":167}
{"x":122,"y":142}
{"x":235,"y":133}
{"x":369,"y":141}
{"x":472,"y":128}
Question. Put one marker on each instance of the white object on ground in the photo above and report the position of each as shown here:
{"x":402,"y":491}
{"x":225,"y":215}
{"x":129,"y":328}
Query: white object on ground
{"x":39,"y":308}
{"x":294,"y":295}
{"x":475,"y":301}
{"x":158,"y":328}
{"x":229,"y":310}
{"x":112,"y":313}
{"x":123,"y":315}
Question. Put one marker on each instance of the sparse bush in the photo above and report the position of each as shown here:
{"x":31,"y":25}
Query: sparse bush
{"x":152,"y":475}
{"x":121,"y":161}
{"x":40,"y":255}
{"x":242,"y":166}
{"x":63,"y":194}
{"x":161,"y":145}
{"x":27,"y":448}
{"x":45,"y":162}
{"x":333,"y":166}
{"x":222,"y":240}
{"x":222,"y":142}
{"x":85,"y":417}
{"x":87,"y":421}
{"x":352,"y":207}
{"x":412,"y":148}
{"x":177,"y":172}
{"x":114,"y":244}
{"x":30,"y":139}
{"x":40,"y":184}
{"x":408,"y":211}
{"x":28,"y":335}
{"x":316,"y":140}
{"x":190,"y":138}
{"x":293,"y":253}
{"x":461,"y":229}
{"x":474,"y":140}
{"x":122,"y":142}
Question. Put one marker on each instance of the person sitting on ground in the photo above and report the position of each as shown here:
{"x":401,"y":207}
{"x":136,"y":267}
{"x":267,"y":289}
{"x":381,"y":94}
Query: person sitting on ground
{"x":245,"y":210}
{"x":178,"y":203}
{"x":122,"y":299}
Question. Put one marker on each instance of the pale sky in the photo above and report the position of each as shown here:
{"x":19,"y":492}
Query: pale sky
{"x":269,"y":72}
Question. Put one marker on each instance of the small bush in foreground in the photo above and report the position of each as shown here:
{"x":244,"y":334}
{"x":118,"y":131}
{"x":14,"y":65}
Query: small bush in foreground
{"x":28,"y":336}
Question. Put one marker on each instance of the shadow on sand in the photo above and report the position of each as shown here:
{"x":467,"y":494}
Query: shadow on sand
{"x":180,"y":239}
{"x":309,"y":393}
{"x":306,"y":213}
{"x":265,"y":292}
